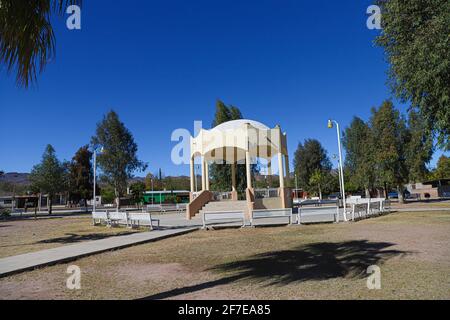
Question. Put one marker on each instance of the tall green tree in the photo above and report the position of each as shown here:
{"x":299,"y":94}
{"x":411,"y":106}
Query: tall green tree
{"x":390,"y":138}
{"x":416,"y":41}
{"x":359,"y":159}
{"x":48,"y":176}
{"x":81,"y":175}
{"x":137,"y":190}
{"x":309,"y":158}
{"x":220,"y":174}
{"x":119,"y":160}
{"x":419,"y":148}
{"x":442,"y":170}
{"x":27,"y":40}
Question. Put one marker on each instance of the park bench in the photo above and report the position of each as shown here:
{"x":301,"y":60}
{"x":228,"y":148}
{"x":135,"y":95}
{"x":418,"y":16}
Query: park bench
{"x":181,"y":207}
{"x":272,"y":213}
{"x":221,"y":216}
{"x":324,"y":212}
{"x":154,"y":208}
{"x":169,"y":207}
{"x":99,"y":217}
{"x":116,"y":218}
{"x":138,"y":219}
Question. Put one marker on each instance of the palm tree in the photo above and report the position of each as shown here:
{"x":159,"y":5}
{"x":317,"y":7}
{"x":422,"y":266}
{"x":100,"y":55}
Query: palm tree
{"x":27,"y":41}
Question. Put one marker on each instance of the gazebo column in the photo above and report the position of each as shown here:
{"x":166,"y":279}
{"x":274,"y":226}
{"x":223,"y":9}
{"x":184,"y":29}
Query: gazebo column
{"x":203,"y":174}
{"x":233,"y":177}
{"x":248,"y":170}
{"x":280,"y":170}
{"x":286,"y":161}
{"x":206,"y":175}
{"x":191,"y":167}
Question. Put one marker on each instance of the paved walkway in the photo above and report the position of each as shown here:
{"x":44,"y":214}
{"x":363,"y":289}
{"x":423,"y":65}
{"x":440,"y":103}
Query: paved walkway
{"x":23,"y":262}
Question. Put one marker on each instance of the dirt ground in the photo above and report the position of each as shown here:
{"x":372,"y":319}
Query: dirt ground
{"x":23,"y":236}
{"x":326,"y":261}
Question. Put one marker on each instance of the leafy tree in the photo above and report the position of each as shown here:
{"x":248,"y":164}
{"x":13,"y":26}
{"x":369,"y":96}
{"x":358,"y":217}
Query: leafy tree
{"x":118,"y":161}
{"x":442,"y":170}
{"x":359,"y":161}
{"x":220,"y":174}
{"x":137,"y":190}
{"x":415,"y":38}
{"x":317,"y":180}
{"x":308,"y":158}
{"x":48,"y":176}
{"x":27,"y":40}
{"x":390,"y":137}
{"x":81,"y":175}
{"x":419,"y":148}
{"x":108,"y":194}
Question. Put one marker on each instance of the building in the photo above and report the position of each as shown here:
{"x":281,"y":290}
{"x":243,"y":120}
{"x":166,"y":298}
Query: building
{"x":432,"y":189}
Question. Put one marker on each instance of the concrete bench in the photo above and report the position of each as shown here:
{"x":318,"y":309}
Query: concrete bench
{"x":272,"y":213}
{"x":181,"y":207}
{"x":116,"y":218}
{"x":138,"y":219}
{"x":318,"y":214}
{"x":99,"y":217}
{"x":223,"y":215}
{"x":154,"y":208}
{"x":169,"y":207}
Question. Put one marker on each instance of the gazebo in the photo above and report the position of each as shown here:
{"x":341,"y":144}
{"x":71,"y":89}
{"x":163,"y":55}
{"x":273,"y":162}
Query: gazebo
{"x":238,"y":142}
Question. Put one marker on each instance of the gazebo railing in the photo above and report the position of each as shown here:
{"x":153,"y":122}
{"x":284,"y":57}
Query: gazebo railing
{"x":266,"y":193}
{"x":221,"y":196}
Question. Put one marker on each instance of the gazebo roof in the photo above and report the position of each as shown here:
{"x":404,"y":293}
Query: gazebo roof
{"x":237,"y":124}
{"x":234,"y":138}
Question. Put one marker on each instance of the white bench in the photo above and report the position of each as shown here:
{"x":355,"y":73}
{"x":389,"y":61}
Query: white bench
{"x":223,"y":215}
{"x":272,"y":213}
{"x":118,"y":218}
{"x":137,"y":219}
{"x":181,"y":207}
{"x":154,"y":208}
{"x":318,"y":211}
{"x":99,"y":217}
{"x":169,"y":207}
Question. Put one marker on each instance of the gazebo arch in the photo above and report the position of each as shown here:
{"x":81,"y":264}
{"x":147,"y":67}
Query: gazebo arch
{"x":233,"y":142}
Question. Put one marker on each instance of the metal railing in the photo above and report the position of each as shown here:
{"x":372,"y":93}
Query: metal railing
{"x":266,"y":193}
{"x":221,"y":196}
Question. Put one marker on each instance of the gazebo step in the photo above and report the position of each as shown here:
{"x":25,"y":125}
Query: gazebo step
{"x":224,"y":206}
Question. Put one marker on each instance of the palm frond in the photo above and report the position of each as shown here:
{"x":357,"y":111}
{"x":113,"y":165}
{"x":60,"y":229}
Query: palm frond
{"x":27,"y":40}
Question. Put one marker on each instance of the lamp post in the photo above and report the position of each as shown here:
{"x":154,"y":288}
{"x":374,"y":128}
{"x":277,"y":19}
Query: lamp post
{"x":330,"y":126}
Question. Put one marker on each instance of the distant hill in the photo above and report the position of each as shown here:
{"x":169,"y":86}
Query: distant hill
{"x":15,"y":178}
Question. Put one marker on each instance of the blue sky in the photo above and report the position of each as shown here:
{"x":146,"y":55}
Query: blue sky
{"x":162,"y":64}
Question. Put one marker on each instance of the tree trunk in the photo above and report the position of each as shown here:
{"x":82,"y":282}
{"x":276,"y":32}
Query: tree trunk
{"x":49,"y":204}
{"x":401,"y":199}
{"x":117,"y":198}
{"x":367,"y":191}
{"x":320,"y":193}
{"x":386,"y":196}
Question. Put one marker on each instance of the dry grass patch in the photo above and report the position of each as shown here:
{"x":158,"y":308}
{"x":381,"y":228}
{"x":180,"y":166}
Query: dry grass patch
{"x":23,"y":236}
{"x":306,"y":262}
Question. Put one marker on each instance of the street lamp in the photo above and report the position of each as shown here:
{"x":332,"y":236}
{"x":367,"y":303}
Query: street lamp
{"x":341,"y":169}
{"x":95,"y":177}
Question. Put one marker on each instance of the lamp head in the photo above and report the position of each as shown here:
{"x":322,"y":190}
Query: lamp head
{"x":330,"y":124}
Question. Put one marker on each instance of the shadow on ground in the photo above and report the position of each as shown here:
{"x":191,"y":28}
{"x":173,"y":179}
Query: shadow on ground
{"x":312,"y":262}
{"x":73,"y":238}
